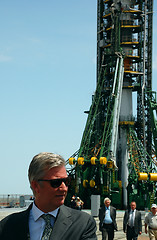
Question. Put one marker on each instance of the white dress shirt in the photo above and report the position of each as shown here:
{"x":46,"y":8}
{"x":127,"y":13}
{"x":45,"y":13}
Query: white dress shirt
{"x":37,"y":223}
{"x":132,"y":215}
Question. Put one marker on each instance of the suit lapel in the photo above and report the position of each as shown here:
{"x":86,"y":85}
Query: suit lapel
{"x":136,"y":215}
{"x":111,"y":210}
{"x":23,"y":223}
{"x":62,"y":223}
{"x":104,"y":212}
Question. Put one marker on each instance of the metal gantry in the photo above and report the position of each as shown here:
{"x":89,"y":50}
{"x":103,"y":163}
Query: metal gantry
{"x":115,"y":155}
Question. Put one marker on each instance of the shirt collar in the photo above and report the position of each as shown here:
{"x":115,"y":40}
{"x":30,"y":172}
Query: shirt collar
{"x":133,"y":210}
{"x":37,"y":213}
{"x":107,"y":207}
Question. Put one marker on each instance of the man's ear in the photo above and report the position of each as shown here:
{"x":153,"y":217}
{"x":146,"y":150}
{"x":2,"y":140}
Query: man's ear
{"x":35,"y":186}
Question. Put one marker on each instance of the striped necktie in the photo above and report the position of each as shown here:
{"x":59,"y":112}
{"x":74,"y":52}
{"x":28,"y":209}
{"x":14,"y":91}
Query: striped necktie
{"x":48,"y":227}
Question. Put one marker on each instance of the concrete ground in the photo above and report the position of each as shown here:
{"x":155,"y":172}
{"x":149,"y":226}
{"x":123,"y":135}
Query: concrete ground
{"x":118,"y":235}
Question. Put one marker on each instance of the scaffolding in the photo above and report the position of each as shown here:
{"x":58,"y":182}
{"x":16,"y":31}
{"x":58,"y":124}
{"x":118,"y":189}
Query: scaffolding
{"x":107,"y":163}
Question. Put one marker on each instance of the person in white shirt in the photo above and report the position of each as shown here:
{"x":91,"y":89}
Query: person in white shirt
{"x":151,"y":222}
{"x":107,"y":217}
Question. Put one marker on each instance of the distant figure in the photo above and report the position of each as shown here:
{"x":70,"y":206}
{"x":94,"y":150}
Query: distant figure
{"x":132,"y":223}
{"x":151,"y":222}
{"x":73,"y":202}
{"x":47,"y":218}
{"x":107,"y":217}
{"x":79,"y":203}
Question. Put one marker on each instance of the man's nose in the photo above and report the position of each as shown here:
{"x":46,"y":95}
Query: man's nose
{"x":63,"y":185}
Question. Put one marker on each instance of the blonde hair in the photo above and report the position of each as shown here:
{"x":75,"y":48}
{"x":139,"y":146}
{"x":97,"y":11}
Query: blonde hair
{"x":107,"y":199}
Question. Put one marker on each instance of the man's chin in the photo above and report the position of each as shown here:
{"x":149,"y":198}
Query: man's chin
{"x":60,"y":199}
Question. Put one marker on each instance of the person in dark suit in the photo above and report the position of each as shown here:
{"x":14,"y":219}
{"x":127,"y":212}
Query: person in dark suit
{"x":107,"y":217}
{"x":47,"y":217}
{"x":132,"y":223}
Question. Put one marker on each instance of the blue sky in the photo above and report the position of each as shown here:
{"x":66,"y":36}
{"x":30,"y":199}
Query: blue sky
{"x":48,"y":76}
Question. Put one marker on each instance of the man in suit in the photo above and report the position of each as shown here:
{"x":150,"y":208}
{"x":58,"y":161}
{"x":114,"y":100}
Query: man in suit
{"x":48,"y":217}
{"x":107,"y":217}
{"x":132,"y":223}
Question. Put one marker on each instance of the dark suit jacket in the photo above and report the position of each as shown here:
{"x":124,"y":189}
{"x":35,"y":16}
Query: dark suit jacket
{"x":70,"y":225}
{"x":137,"y":222}
{"x":102,"y":215}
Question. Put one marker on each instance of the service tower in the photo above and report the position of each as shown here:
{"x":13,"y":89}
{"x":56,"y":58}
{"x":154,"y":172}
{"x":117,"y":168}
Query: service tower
{"x":115,"y":155}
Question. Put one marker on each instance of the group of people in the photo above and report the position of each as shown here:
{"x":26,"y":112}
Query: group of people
{"x":47,"y":218}
{"x":132,"y":223}
{"x":76,"y":203}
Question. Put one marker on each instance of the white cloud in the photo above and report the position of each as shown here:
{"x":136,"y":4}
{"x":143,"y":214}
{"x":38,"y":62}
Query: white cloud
{"x":4,"y":58}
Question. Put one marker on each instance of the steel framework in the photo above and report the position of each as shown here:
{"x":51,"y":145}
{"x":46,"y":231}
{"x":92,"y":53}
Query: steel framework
{"x":115,"y":155}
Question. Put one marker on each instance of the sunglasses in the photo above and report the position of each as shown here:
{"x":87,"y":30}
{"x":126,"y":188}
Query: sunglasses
{"x":55,"y":183}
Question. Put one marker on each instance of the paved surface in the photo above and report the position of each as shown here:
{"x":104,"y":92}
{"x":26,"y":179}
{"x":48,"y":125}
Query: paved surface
{"x":118,"y":235}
